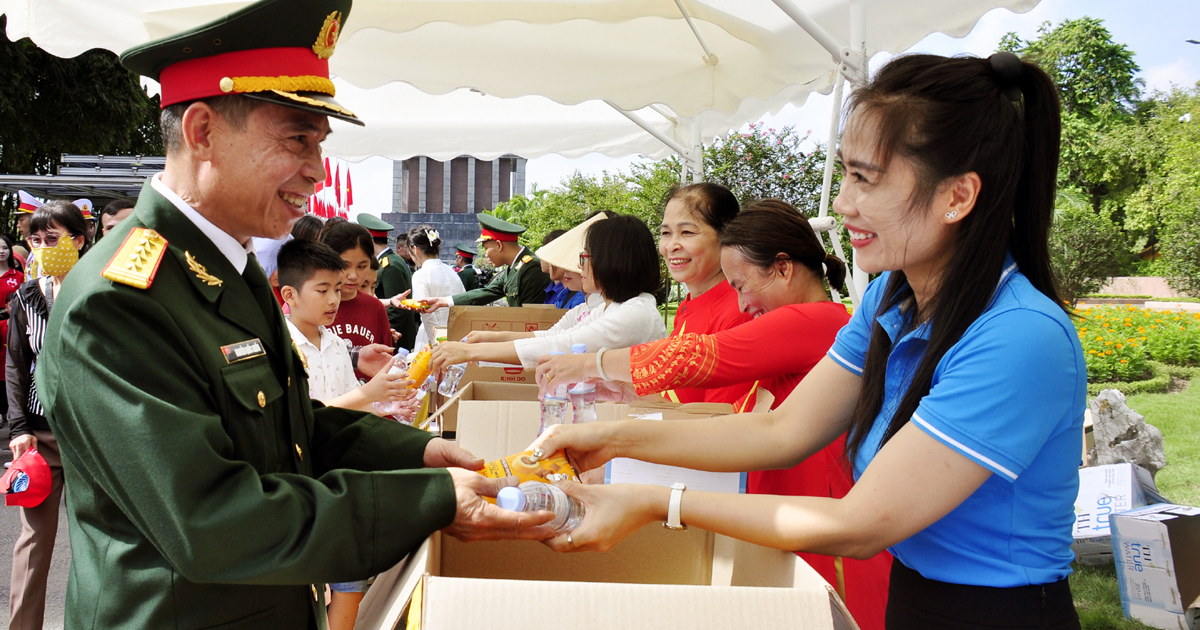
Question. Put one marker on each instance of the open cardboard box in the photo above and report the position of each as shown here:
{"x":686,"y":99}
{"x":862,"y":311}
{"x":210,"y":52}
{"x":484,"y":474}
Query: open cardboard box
{"x":505,"y":400}
{"x":465,"y":319}
{"x":656,"y":578}
{"x":1157,"y":549}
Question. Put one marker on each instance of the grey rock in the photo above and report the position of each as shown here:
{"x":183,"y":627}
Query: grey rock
{"x":1122,"y":435}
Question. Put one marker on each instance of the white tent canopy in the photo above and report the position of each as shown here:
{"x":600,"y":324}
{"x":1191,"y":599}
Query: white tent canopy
{"x":705,"y":66}
{"x":689,"y":55}
{"x":403,"y":122}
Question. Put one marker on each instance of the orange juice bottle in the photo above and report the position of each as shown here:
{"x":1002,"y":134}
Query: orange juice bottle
{"x":418,"y":369}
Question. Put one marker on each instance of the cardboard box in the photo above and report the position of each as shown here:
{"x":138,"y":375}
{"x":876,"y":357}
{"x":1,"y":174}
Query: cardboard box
{"x":1158,"y":565}
{"x":1104,"y":491}
{"x":655,"y":578}
{"x":464,"y":319}
{"x":490,"y":402}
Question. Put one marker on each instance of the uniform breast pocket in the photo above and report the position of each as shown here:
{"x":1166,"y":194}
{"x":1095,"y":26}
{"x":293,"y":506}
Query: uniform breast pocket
{"x":251,"y":389}
{"x":252,"y":384}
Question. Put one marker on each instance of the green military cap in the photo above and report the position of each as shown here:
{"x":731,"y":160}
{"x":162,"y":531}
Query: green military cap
{"x":374,"y":225}
{"x":495,"y":229}
{"x":466,"y":251}
{"x":272,"y":50}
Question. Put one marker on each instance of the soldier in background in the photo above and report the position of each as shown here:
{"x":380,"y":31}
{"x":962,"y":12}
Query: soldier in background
{"x":464,"y":258}
{"x":394,"y":278}
{"x":522,"y":281}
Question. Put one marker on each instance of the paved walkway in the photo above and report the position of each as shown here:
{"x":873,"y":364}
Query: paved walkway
{"x":10,"y":528}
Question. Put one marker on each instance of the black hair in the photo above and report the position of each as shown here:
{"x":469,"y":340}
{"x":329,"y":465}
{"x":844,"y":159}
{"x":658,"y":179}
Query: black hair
{"x":234,"y":108}
{"x":624,"y":259}
{"x":713,"y":203}
{"x":550,"y":236}
{"x":948,"y":117}
{"x":308,"y":228}
{"x":374,"y":264}
{"x":66,"y":215}
{"x":299,"y":260}
{"x":344,"y":236}
{"x":11,"y":261}
{"x":769,"y":228}
{"x":118,"y":205}
{"x":418,"y":238}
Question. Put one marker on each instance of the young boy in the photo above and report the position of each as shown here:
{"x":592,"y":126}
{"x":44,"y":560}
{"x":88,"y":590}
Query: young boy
{"x":310,"y":279}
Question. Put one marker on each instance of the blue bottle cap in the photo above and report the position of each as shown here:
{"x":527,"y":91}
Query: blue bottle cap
{"x":511,"y":498}
{"x":401,"y":353}
{"x":579,"y":348}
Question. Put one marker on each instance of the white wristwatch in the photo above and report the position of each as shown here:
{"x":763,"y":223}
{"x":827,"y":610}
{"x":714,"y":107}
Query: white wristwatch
{"x":673,"y":507}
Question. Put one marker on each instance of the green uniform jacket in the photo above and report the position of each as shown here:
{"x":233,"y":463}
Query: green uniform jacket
{"x":395,"y":278}
{"x":207,"y":493}
{"x":522,"y":282}
{"x":469,"y":277}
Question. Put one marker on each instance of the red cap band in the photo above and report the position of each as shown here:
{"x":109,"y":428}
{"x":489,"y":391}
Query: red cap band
{"x":27,"y":208}
{"x":489,"y":235}
{"x":379,"y":233}
{"x":201,"y":78}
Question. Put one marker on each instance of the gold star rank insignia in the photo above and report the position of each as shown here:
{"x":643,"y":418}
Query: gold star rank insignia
{"x":136,"y":261}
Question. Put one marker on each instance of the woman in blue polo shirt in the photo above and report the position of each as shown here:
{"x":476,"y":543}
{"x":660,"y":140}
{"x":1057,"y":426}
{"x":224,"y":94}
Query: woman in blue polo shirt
{"x":959,"y":382}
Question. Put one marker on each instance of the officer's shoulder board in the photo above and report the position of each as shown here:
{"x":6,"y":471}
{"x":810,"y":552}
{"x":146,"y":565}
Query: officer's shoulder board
{"x":527,"y":259}
{"x":387,"y":260}
{"x":136,"y":261}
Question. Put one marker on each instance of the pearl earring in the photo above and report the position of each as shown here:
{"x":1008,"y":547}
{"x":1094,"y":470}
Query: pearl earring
{"x":950,"y":215}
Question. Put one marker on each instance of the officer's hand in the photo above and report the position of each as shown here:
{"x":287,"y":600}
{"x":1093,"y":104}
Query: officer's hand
{"x":441,"y":453}
{"x":433,"y":304}
{"x":374,"y":357}
{"x":476,"y":519}
{"x":22,"y":443}
{"x":395,"y":300}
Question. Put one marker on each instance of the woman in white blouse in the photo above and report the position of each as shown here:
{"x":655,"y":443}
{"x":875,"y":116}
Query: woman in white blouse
{"x":433,"y":278}
{"x":618,"y":261}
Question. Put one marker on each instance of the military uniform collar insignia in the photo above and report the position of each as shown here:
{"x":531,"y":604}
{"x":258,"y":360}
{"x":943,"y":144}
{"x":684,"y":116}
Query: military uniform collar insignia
{"x":201,"y":272}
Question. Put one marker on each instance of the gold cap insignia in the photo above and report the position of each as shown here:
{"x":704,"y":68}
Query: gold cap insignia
{"x":201,"y":272}
{"x":136,"y":261}
{"x":329,"y":36}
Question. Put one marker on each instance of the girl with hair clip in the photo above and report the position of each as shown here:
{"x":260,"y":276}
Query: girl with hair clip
{"x":433,"y":278}
{"x":960,"y":380}
{"x":775,"y":263}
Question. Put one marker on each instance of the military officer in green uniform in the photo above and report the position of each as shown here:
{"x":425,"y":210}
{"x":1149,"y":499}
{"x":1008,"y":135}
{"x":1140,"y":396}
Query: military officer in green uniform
{"x":464,"y":259}
{"x":204,"y":489}
{"x":395,"y":278}
{"x":521,"y":282}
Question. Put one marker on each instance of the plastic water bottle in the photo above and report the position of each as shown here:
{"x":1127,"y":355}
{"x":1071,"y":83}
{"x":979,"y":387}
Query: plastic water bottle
{"x":535,"y":496}
{"x":450,"y":379}
{"x":583,"y":395}
{"x":390,"y":407}
{"x":554,"y":406}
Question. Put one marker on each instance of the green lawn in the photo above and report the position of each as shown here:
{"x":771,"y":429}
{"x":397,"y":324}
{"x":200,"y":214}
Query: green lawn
{"x":1178,"y":417}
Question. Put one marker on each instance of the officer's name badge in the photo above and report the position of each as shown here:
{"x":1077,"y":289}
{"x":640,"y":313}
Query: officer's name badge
{"x":243,"y":350}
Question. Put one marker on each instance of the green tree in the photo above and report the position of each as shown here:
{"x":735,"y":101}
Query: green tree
{"x":771,"y":163}
{"x":1086,"y":249}
{"x":88,"y":104}
{"x":1169,"y":201}
{"x":1100,"y":93}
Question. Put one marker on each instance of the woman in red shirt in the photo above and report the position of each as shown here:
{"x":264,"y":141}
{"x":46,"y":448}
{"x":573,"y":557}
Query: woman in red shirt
{"x":11,"y":277}
{"x":775,"y":264}
{"x":361,"y":318}
{"x":689,"y":237}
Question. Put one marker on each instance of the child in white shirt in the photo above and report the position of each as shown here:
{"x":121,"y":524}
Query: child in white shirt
{"x":310,"y":278}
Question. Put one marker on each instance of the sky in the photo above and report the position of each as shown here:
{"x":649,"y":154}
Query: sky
{"x":1155,"y":30}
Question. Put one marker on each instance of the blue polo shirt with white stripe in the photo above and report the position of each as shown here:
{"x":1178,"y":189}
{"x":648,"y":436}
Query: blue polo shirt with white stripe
{"x":1010,"y":396}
